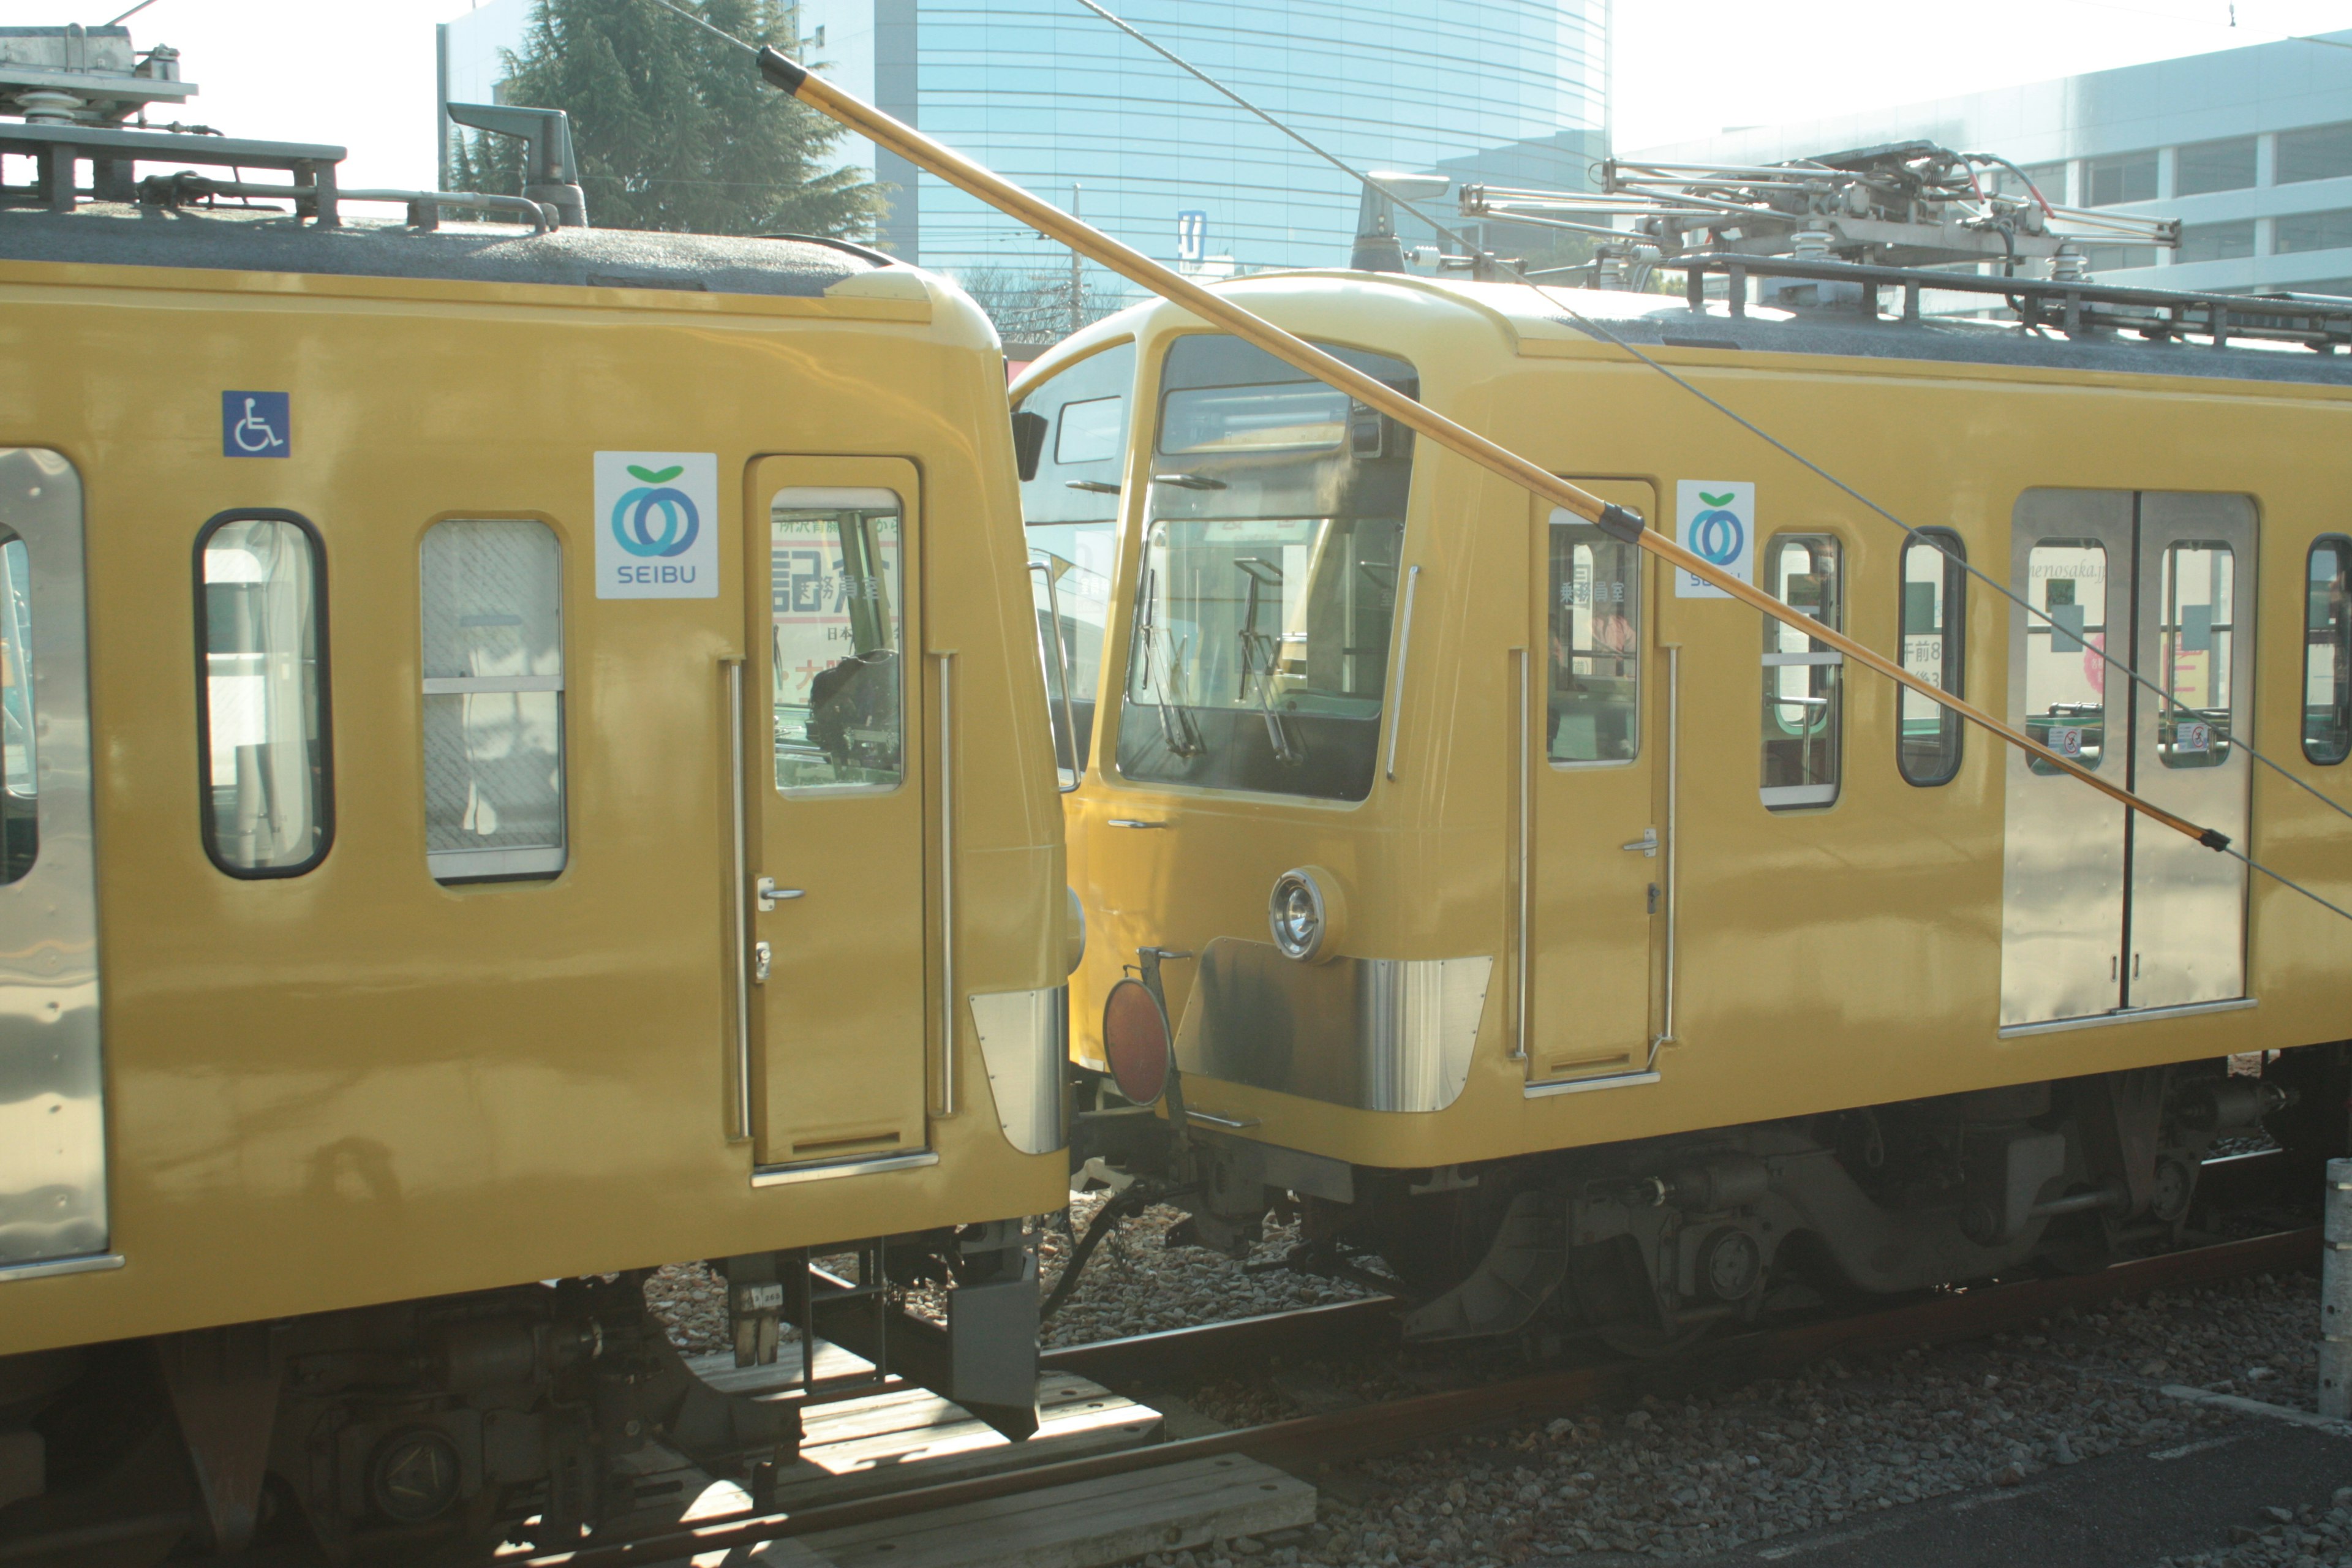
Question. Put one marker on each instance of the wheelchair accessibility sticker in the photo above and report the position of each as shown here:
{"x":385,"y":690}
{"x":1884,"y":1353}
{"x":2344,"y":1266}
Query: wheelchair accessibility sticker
{"x":257,"y":425}
{"x":1716,"y":521}
{"x":657,"y":525}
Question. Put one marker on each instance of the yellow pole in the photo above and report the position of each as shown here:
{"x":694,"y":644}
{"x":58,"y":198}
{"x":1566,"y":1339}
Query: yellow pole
{"x":885,"y":131}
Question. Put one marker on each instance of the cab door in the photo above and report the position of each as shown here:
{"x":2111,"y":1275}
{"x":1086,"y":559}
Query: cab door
{"x":1593,"y":854}
{"x":835,"y":912}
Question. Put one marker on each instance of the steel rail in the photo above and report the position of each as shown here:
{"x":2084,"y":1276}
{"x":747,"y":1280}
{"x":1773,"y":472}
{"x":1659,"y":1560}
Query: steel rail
{"x":1411,"y":1422}
{"x":938,"y":159}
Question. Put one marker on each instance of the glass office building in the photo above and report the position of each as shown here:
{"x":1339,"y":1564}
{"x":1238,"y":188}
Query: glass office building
{"x":1054,"y":97}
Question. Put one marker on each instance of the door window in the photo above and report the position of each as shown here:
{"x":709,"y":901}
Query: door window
{"x":838,"y":640}
{"x":20,"y":831}
{"x":1593,"y":614}
{"x":1934,"y":614}
{"x":492,"y":595}
{"x":2065,"y":677}
{"x":268,"y":806}
{"x":1802,"y":706}
{"x":2194,"y":642}
{"x":2327,"y":652}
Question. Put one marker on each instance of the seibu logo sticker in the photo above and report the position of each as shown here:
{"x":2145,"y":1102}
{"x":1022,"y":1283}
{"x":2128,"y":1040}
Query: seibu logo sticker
{"x":1716,"y":521}
{"x":657,"y":525}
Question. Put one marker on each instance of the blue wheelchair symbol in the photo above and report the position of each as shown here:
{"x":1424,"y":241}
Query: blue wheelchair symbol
{"x":257,"y":425}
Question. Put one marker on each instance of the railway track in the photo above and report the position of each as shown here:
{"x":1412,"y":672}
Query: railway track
{"x":1391,"y":1424}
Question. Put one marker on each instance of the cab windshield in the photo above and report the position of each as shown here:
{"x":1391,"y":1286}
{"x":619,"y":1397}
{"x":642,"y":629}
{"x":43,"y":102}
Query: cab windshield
{"x":1268,"y":585}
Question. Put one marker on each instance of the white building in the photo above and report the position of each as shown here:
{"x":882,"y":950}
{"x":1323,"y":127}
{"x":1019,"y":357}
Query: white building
{"x":2251,"y":149}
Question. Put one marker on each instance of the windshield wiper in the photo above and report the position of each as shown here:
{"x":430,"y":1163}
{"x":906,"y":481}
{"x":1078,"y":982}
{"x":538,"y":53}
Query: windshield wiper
{"x":1176,"y":726}
{"x":1261,"y":655}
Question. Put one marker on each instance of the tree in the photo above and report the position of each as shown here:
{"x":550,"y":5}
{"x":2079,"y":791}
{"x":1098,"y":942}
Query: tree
{"x":1041,"y":305}
{"x":674,"y":129}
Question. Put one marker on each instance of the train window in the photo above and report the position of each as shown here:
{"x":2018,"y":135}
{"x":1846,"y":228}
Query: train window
{"x":1075,"y":475}
{"x":1070,"y":501}
{"x":2065,"y":675}
{"x":268,"y":806}
{"x":493,"y":672}
{"x":1267,"y":589}
{"x":1935,"y":613}
{"x":1072,"y":593}
{"x":838,"y":639}
{"x":1594,"y":708}
{"x":20,"y":832}
{"x":2327,"y":652}
{"x":1803,"y":706}
{"x":2192,"y":730}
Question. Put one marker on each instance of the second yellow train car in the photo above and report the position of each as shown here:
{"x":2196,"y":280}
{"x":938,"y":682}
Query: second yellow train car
{"x":1578,"y":943}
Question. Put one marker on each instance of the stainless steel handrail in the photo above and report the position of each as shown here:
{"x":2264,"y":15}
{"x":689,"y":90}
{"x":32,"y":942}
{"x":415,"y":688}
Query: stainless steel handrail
{"x":739,"y":922}
{"x":948,"y":1009}
{"x":1522,"y":659}
{"x":1061,"y":661}
{"x":1673,"y":842}
{"x":1404,"y":650}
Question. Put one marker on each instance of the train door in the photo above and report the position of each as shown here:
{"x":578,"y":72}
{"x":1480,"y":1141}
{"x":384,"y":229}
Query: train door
{"x":1594,"y":856}
{"x":2102,"y":913}
{"x":836,"y":820}
{"x":53,"y":1191}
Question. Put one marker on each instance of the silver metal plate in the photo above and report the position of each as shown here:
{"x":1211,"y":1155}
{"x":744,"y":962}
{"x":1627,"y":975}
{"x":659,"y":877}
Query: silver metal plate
{"x":53,"y":1200}
{"x":1374,"y":1033}
{"x":1024,"y":1044}
{"x":856,"y":1165}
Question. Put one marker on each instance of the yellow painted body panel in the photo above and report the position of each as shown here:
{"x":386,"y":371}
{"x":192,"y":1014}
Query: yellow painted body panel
{"x":358,"y":1085}
{"x":1833,"y":957}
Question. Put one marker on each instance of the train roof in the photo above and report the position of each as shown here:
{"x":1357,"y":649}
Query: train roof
{"x":1533,"y":316}
{"x":262,"y":240}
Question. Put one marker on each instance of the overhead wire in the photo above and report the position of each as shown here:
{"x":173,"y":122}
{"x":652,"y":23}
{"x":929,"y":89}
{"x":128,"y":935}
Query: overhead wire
{"x":1601,"y":330}
{"x":793,"y":79}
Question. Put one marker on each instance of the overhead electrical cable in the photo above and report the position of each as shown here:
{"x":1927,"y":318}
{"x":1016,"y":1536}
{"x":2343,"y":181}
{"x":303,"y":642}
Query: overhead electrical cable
{"x":1602,"y":332}
{"x":945,"y":162}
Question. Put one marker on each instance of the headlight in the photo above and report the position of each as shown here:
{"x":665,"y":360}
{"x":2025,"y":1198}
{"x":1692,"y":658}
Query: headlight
{"x":1074,"y":933}
{"x":1307,"y":914}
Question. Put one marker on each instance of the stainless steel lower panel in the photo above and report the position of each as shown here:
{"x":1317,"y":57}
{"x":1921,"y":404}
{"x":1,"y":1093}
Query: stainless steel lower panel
{"x":1024,"y":1040}
{"x":1373,"y":1034}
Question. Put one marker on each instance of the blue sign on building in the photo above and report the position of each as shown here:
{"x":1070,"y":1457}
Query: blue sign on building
{"x":1191,"y":236}
{"x":257,"y":425}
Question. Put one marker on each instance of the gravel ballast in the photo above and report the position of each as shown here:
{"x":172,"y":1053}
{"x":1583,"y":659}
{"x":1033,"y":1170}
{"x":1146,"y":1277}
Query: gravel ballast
{"x":1684,"y":1480}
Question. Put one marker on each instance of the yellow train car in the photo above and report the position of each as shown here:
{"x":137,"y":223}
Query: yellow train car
{"x":522,"y":766}
{"x":1576,"y":942}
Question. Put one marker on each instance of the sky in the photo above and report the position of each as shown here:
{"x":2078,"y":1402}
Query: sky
{"x":360,"y":72}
